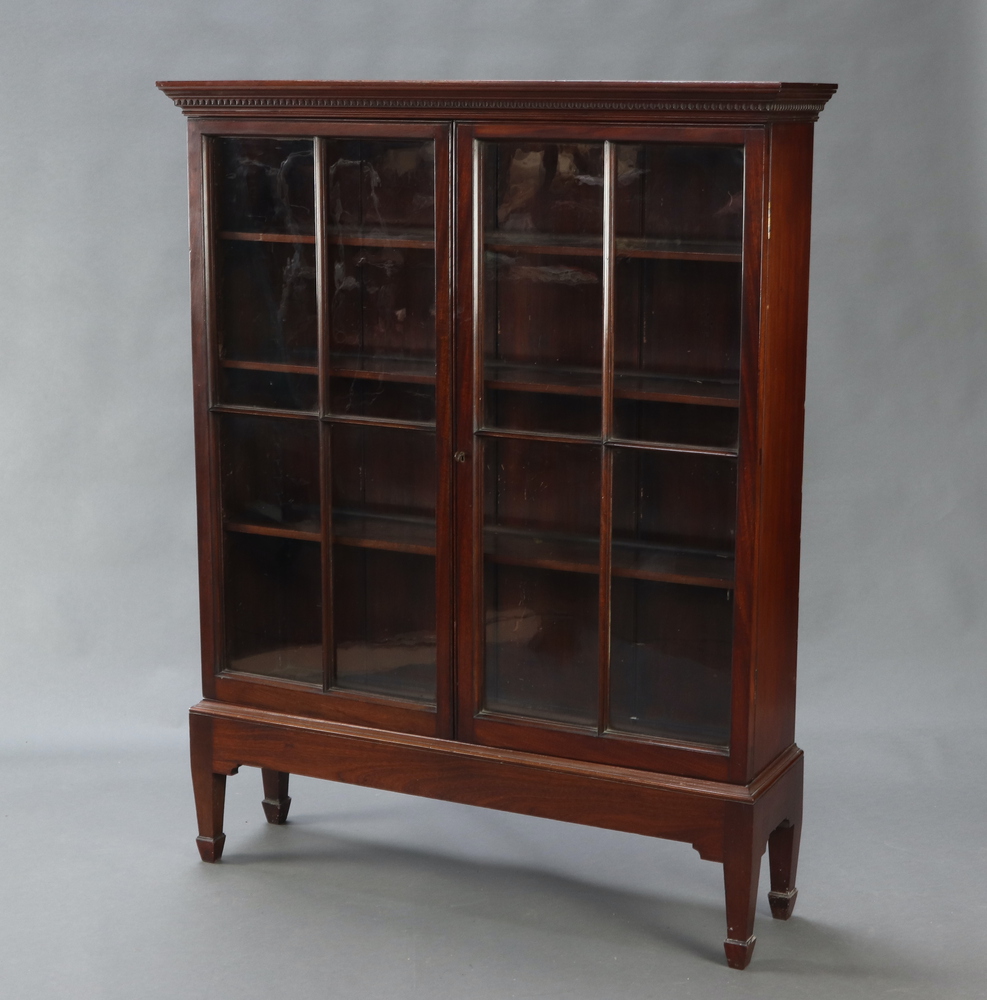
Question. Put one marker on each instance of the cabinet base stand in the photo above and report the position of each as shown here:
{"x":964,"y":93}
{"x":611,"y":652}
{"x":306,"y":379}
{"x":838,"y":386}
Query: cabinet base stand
{"x":726,"y":823}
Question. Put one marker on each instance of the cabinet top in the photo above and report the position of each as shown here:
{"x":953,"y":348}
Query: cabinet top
{"x":641,"y":101}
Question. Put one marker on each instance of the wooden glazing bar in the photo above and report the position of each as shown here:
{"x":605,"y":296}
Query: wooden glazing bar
{"x":262,"y":411}
{"x":685,"y":449}
{"x":408,"y":425}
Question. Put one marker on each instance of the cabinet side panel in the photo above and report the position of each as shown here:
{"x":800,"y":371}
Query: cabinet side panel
{"x":201,"y":305}
{"x":784,"y":309}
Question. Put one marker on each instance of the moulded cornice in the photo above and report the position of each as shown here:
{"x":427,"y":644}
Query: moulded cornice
{"x":736,"y":102}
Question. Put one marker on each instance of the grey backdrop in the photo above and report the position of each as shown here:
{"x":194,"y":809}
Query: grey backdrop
{"x":98,"y":629}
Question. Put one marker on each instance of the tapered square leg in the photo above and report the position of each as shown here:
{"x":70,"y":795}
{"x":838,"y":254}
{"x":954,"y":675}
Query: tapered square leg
{"x":783,"y":855}
{"x":276,"y":799}
{"x":741,"y":870}
{"x":210,"y":791}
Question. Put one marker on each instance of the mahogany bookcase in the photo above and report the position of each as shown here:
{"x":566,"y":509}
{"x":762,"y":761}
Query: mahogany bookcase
{"x":498,"y":413}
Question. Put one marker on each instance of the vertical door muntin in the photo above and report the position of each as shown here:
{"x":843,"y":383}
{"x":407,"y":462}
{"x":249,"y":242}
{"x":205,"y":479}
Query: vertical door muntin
{"x":594,"y":736}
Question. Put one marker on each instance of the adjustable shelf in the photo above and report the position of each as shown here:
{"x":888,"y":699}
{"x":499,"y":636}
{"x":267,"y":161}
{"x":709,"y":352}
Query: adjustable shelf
{"x":268,"y":366}
{"x":363,"y":530}
{"x":633,"y":559}
{"x":306,"y":531}
{"x":268,"y":237}
{"x":553,"y":244}
{"x":626,"y":385}
{"x":413,"y":239}
{"x":355,"y":236}
{"x":420,"y":371}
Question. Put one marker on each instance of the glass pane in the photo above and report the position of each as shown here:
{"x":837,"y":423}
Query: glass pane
{"x":674,"y":500}
{"x":542,"y":309}
{"x":374,"y":397}
{"x":383,"y":522}
{"x":679,"y":193}
{"x":674,"y":423}
{"x":267,"y":306}
{"x":384,"y":614}
{"x":270,"y":472}
{"x":381,"y":206}
{"x":677,"y":292}
{"x":541,"y":580}
{"x":265,"y":185}
{"x":670,"y":660}
{"x":268,"y":390}
{"x":273,"y":595}
{"x":380,"y":184}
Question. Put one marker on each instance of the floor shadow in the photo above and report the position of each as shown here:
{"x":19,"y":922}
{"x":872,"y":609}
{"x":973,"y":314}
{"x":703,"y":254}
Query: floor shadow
{"x":527,"y":896}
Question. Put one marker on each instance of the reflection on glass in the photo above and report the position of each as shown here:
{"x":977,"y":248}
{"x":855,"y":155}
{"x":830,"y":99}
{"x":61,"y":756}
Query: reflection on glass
{"x":383,"y":523}
{"x":544,"y":187}
{"x":265,"y":185}
{"x":670,"y":654}
{"x":380,"y":184}
{"x":273,"y":597}
{"x":267,"y":305}
{"x":381,"y":233}
{"x":270,"y":472}
{"x":678,"y":221}
{"x":679,"y":192}
{"x":542,"y":308}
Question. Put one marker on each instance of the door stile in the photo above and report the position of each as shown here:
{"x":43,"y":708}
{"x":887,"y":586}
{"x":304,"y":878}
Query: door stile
{"x":445,"y":686}
{"x":204,"y":367}
{"x":467,"y":469}
{"x":749,"y":460}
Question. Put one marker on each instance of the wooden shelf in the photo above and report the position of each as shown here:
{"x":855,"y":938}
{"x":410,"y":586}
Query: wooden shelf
{"x":305,"y":531}
{"x":624,"y":246}
{"x":658,"y":249}
{"x":545,"y":243}
{"x":411,"y":239}
{"x":376,"y":531}
{"x":418,"y":371}
{"x":268,"y":237}
{"x":675,"y":389}
{"x":269,"y":366}
{"x":357,"y":236}
{"x":632,"y":559}
{"x":627,"y":385}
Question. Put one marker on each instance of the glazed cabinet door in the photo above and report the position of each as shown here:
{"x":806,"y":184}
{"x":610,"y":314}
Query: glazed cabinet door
{"x":602,"y":408}
{"x":327,"y":354}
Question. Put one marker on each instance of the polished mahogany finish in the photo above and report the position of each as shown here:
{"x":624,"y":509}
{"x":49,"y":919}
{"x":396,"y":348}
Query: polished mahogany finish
{"x":499,"y":393}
